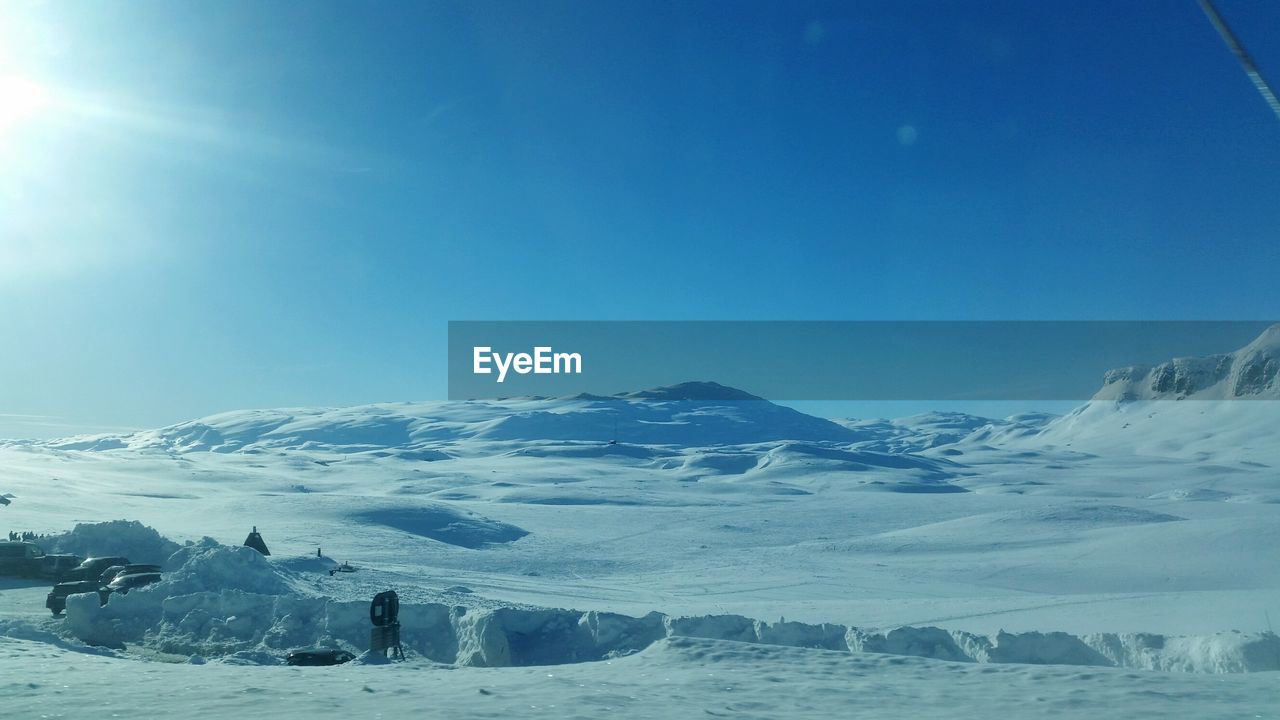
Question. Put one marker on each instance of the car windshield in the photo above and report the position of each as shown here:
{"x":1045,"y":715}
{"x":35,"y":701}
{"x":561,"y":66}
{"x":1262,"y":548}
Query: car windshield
{"x":738,"y":358}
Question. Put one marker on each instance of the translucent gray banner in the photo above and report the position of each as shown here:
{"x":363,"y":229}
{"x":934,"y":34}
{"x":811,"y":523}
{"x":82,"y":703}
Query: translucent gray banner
{"x":981,"y":360}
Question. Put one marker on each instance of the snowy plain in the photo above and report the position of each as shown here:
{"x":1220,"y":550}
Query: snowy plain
{"x":726,"y":557}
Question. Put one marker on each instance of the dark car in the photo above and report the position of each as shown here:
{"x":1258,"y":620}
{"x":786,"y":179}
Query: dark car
{"x":124,"y":583}
{"x":20,"y":558}
{"x":321,"y":656}
{"x":116,"y":571}
{"x":92,"y":568}
{"x":57,"y":599}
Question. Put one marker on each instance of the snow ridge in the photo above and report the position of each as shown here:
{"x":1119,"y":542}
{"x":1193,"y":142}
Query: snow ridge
{"x":230,"y":603}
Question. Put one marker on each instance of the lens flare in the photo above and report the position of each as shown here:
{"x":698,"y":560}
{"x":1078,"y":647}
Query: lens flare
{"x":20,"y":100}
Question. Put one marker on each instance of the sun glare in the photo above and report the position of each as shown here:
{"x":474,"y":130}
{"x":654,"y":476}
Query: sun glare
{"x":20,"y":100}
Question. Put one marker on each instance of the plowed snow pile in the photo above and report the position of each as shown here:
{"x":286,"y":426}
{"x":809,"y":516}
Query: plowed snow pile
{"x":125,"y":538}
{"x":233,"y":604}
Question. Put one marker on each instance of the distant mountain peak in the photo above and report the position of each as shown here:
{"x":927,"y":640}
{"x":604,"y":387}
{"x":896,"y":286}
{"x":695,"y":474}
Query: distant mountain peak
{"x":700,"y":390}
{"x":1252,"y":372}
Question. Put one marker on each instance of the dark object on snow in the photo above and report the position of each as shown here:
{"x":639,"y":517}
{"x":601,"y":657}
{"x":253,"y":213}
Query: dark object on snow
{"x":124,"y":583}
{"x":385,"y":609}
{"x":344,"y":567}
{"x":256,"y":542}
{"x":92,"y":568}
{"x":324,"y":656}
{"x":384,"y":613}
{"x":56,"y":601}
{"x":4,"y":500}
{"x":20,"y":558}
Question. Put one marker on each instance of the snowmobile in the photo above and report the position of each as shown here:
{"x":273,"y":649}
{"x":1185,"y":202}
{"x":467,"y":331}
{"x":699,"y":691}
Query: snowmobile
{"x":345,"y":567}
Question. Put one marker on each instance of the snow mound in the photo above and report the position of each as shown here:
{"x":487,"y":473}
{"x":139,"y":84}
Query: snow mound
{"x":444,"y":524}
{"x":1095,"y":516}
{"x":886,"y":472}
{"x":233,"y":580}
{"x":94,"y":443}
{"x":1192,"y":494}
{"x":222,"y":567}
{"x":915,"y":433}
{"x":229,"y":604}
{"x":127,"y":538}
{"x":718,"y":463}
{"x":833,"y":458}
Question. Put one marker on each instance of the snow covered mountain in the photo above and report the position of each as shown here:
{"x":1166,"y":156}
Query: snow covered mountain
{"x":1130,"y":412}
{"x":1252,"y":372}
{"x":1219,"y":409}
{"x":699,"y":414}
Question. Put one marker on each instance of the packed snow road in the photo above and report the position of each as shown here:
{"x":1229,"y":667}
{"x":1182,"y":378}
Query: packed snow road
{"x":679,"y":677}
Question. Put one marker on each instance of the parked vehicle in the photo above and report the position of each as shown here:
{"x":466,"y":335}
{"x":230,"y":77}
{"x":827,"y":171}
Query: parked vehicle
{"x":319,"y":656}
{"x":55,"y":566}
{"x":92,"y":568}
{"x":116,"y":571}
{"x":124,"y":583}
{"x":21,"y":559}
{"x":56,"y":601}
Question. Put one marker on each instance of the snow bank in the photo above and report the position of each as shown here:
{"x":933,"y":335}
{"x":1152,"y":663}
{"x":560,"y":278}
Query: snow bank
{"x":1230,"y":652}
{"x":128,"y":538}
{"x":205,"y":568}
{"x":245,"y":627}
{"x":232,"y":604}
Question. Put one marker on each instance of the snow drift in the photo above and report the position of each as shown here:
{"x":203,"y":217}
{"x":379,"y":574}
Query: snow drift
{"x":234,"y":604}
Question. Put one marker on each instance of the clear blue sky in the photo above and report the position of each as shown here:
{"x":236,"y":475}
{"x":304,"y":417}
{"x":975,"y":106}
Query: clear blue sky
{"x":220,"y":205}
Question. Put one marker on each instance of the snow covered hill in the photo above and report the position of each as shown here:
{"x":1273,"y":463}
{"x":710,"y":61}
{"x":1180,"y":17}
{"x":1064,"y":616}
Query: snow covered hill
{"x":686,"y":415}
{"x":1252,"y":372}
{"x":1221,"y":409}
{"x":916,"y":433}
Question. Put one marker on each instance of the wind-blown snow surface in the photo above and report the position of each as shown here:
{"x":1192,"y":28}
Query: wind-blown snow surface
{"x":943,"y":562}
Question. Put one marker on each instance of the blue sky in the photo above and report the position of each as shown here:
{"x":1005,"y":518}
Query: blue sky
{"x":232,"y":205}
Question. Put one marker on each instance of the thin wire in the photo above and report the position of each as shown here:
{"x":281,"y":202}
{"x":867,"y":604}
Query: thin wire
{"x":1233,"y":43}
